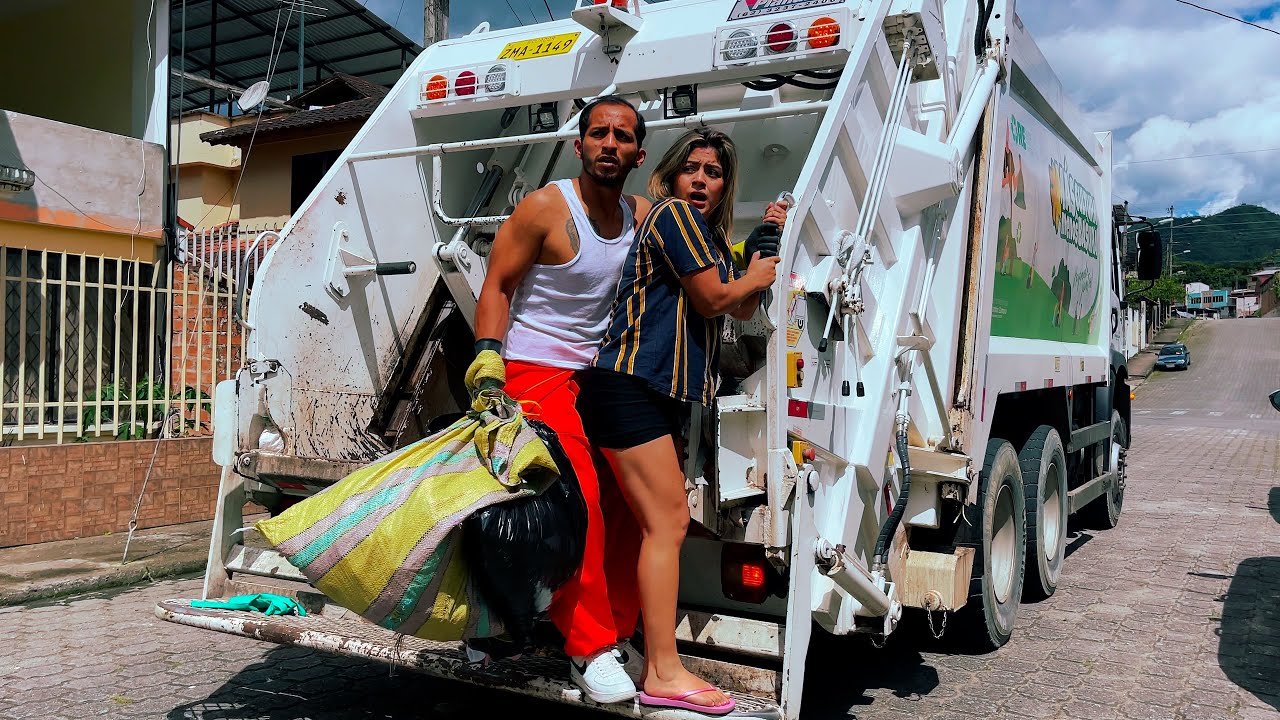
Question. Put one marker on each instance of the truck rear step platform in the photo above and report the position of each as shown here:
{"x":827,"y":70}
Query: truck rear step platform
{"x":543,"y":677}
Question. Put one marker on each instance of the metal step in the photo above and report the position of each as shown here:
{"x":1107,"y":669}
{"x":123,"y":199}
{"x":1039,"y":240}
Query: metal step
{"x":344,"y":633}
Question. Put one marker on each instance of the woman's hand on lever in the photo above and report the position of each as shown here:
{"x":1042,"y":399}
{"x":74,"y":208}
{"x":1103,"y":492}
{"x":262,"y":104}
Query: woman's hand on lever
{"x":712,"y":298}
{"x":776,"y":213}
{"x":762,"y":271}
{"x":761,"y":274}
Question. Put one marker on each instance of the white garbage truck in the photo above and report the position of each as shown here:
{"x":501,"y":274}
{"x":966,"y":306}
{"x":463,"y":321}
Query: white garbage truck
{"x":931,"y":389}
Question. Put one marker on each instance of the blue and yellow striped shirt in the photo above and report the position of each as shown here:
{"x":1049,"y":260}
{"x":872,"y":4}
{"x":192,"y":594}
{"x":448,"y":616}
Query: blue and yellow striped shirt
{"x":654,"y":332}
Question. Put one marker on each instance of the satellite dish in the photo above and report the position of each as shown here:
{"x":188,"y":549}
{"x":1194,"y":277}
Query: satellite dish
{"x":254,"y":95}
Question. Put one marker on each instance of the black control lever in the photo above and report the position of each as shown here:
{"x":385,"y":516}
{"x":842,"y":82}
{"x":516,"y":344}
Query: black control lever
{"x":407,"y":267}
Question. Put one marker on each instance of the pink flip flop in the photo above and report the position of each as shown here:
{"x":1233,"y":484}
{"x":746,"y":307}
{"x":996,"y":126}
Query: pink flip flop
{"x":678,"y":701}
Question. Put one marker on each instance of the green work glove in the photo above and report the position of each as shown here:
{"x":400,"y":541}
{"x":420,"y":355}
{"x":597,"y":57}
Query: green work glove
{"x":266,"y":603}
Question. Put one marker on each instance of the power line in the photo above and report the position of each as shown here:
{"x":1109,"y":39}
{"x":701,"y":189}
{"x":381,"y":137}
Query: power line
{"x":1229,"y":17}
{"x":1192,"y":157}
{"x":548,"y":5}
{"x":513,"y":12}
{"x":533,"y":12}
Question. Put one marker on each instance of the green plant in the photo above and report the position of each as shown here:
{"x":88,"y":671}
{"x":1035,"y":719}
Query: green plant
{"x":1167,"y":288}
{"x":143,"y":391}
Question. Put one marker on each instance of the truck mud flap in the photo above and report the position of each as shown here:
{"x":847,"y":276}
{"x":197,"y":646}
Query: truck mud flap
{"x":543,"y":677}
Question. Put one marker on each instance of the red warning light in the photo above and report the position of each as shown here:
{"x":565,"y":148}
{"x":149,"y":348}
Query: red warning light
{"x":781,"y":38}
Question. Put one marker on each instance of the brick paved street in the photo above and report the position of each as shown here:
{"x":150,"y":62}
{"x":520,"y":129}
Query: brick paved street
{"x":1174,"y":614}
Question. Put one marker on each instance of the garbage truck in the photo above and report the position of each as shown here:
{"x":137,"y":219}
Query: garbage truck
{"x":932,"y":387}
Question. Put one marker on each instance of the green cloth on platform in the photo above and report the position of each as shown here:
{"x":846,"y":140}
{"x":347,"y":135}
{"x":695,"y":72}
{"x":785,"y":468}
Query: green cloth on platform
{"x":261,"y":602}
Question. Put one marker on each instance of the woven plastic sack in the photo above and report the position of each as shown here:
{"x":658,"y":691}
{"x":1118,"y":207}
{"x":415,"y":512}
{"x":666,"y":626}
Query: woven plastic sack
{"x":386,"y":541}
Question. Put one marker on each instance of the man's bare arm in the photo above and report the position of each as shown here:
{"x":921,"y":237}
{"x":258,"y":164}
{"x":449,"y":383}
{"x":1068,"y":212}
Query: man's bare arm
{"x":515,"y":249}
{"x":640,"y":208}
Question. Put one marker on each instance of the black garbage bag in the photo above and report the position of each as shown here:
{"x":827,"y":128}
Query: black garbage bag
{"x":521,"y":551}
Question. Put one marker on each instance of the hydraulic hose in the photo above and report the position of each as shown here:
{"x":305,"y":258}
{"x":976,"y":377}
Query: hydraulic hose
{"x":895,"y":516}
{"x":985,"y":9}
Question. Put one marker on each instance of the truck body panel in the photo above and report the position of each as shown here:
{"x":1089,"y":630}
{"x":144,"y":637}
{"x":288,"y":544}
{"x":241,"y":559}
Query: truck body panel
{"x":949,"y":279}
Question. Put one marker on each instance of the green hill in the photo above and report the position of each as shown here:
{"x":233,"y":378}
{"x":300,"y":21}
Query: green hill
{"x":1245,"y":234}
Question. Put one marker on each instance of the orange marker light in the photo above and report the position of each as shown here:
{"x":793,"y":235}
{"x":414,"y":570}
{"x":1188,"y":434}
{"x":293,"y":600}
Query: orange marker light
{"x":824,"y":33}
{"x":752,"y":576}
{"x":437,"y":87}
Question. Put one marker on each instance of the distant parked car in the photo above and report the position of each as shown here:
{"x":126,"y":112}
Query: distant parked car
{"x":1174,"y":355}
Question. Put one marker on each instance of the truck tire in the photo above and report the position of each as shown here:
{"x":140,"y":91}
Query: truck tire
{"x":999,"y":540}
{"x":1104,"y":513}
{"x":1044,"y":477}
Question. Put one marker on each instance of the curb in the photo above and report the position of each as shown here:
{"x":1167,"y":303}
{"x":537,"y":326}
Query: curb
{"x":115,"y":578}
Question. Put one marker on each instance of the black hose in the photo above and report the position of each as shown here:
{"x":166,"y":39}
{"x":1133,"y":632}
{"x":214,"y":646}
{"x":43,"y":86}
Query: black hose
{"x":773,"y":82}
{"x":812,"y":86}
{"x":980,"y":31}
{"x":895,"y":516}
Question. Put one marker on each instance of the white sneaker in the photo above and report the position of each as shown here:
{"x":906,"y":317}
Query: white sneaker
{"x":602,"y":677}
{"x":632,"y":660}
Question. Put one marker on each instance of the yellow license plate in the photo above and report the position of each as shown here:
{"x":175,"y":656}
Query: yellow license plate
{"x":539,"y":47}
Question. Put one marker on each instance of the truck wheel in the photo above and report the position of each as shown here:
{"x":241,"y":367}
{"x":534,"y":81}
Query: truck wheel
{"x":1104,"y":513}
{"x":1044,"y":476}
{"x":999,"y":550}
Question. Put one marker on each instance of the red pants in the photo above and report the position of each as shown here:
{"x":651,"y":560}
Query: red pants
{"x":599,"y":605}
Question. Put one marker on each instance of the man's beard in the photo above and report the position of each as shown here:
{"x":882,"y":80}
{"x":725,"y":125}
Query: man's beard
{"x":618,"y":177}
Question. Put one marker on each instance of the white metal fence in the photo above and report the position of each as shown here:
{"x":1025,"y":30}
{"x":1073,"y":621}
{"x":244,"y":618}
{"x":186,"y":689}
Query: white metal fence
{"x":93,"y":347}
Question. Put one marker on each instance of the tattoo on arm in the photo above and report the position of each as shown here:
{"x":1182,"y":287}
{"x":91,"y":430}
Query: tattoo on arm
{"x":571,"y":230}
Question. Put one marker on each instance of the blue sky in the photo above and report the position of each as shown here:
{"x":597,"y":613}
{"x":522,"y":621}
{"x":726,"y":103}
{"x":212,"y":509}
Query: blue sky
{"x":1170,"y":80}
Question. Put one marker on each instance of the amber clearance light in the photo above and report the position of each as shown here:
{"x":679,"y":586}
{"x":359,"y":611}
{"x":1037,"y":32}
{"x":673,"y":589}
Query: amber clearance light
{"x":824,"y":33}
{"x":437,"y":87}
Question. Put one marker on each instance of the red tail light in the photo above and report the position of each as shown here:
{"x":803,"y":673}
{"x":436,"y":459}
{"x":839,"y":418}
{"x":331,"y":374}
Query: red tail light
{"x":780,"y":38}
{"x":465,"y":84}
{"x":745,"y":574}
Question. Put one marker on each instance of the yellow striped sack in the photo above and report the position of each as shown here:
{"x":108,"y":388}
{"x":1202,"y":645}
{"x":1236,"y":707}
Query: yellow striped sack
{"x":385,"y":541}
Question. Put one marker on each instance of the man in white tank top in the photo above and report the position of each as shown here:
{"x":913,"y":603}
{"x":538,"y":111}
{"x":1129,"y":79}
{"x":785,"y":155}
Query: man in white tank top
{"x":553,"y":275}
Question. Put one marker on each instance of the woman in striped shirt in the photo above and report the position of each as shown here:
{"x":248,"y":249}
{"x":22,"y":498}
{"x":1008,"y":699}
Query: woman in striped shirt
{"x":662,"y":349}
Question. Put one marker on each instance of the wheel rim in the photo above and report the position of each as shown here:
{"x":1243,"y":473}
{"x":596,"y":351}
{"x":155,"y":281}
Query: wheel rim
{"x":1051,"y":517}
{"x":1002,"y":544}
{"x":1118,"y":461}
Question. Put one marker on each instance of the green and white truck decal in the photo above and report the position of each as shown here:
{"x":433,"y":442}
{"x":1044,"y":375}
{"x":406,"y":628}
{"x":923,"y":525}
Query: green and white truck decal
{"x":1049,"y":244}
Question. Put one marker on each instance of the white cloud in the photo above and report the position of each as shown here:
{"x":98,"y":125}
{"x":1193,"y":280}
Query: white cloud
{"x":1173,"y":81}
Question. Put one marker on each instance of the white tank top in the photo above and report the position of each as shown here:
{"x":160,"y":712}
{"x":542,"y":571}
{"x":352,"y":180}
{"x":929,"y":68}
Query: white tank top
{"x":560,"y":312}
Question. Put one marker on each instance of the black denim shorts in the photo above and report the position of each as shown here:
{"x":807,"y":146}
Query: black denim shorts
{"x":621,"y":411}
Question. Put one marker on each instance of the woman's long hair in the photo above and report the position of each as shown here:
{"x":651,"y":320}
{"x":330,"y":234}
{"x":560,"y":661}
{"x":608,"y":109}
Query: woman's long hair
{"x":662,"y":182}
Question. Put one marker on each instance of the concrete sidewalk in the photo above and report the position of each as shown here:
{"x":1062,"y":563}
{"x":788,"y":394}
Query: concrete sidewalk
{"x":69,"y":567}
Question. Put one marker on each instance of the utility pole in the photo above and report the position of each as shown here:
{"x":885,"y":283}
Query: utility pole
{"x":1172,"y":220}
{"x":435,"y":22}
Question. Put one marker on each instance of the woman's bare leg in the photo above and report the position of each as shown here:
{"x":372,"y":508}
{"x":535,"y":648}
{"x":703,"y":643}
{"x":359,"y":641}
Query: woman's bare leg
{"x":653,"y":484}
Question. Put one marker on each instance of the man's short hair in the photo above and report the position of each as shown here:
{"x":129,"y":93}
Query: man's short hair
{"x":584,"y":119}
